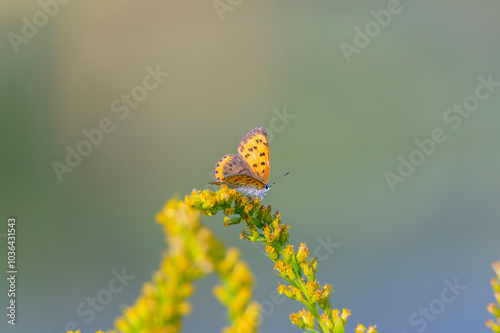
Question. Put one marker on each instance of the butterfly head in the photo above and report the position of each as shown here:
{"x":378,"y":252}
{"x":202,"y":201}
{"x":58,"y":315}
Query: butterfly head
{"x":267,"y":187}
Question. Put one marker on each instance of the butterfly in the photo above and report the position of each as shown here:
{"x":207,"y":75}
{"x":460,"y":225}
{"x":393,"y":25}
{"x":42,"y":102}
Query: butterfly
{"x":248,"y":171}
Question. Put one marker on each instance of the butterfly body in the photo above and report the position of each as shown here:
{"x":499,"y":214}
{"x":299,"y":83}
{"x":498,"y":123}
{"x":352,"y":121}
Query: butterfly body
{"x":247,"y":171}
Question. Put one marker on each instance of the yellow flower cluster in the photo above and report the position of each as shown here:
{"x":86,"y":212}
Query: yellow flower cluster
{"x":294,"y":267}
{"x":361,"y":329}
{"x":193,"y":253}
{"x":492,"y":307}
{"x":236,"y":293}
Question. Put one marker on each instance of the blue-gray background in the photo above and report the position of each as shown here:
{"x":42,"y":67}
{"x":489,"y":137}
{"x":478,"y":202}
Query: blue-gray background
{"x":349,"y":119}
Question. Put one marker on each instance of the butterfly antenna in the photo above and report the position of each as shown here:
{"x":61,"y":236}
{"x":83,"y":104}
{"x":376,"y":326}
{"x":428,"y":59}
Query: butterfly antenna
{"x":272,"y":181}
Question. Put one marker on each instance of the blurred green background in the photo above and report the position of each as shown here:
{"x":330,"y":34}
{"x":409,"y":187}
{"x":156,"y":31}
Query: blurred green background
{"x":338,"y":123}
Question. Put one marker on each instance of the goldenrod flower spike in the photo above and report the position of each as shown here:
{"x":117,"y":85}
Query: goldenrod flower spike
{"x":492,"y":307}
{"x":296,"y":268}
{"x":193,"y":253}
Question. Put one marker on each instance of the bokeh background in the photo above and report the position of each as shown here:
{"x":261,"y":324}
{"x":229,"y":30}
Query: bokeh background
{"x":338,"y":123}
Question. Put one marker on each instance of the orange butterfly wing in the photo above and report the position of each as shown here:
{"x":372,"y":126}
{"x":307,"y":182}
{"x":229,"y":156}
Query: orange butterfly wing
{"x":254,"y":149}
{"x":231,"y":165}
{"x":240,"y":181}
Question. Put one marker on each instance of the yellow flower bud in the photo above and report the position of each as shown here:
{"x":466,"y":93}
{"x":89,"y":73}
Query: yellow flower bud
{"x":495,"y":284}
{"x":311,"y":287}
{"x":308,"y":318}
{"x":326,"y":321}
{"x":360,"y":329}
{"x":297,"y":320}
{"x":282,"y":289}
{"x":279,"y":266}
{"x":297,"y":294}
{"x":271,"y":252}
{"x":492,"y":325}
{"x":288,"y":253}
{"x":306,"y":269}
{"x":284,"y":233}
{"x":496,"y":268}
{"x":302,"y":253}
{"x":327,"y":291}
{"x":493,"y":309}
{"x":276,"y":219}
{"x":345,"y":314}
{"x":290,"y":272}
{"x":268,"y":234}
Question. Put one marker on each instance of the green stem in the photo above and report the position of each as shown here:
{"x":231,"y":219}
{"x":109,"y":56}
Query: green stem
{"x":311,"y":307}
